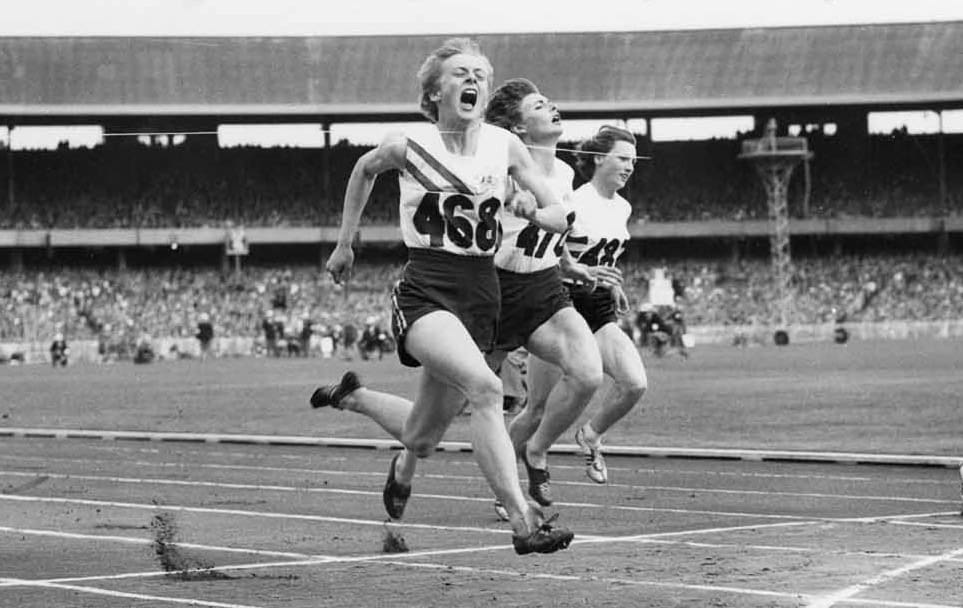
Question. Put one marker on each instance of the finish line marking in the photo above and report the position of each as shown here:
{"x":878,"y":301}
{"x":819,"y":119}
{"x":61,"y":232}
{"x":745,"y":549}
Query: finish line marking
{"x":395,"y":560}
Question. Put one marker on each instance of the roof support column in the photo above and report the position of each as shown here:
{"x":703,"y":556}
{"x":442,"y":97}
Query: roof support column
{"x":11,"y":190}
{"x":943,"y":242}
{"x":327,"y":199}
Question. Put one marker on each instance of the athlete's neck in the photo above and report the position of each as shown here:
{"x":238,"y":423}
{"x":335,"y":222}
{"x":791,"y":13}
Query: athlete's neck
{"x":604,"y":190}
{"x":543,"y":153}
{"x":460,"y":137}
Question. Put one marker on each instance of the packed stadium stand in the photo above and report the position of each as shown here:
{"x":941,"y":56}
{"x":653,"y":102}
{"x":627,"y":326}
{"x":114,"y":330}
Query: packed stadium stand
{"x":168,"y":302}
{"x":135,"y":186}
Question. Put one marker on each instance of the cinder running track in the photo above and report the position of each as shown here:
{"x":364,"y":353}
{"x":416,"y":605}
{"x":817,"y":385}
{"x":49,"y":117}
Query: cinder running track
{"x":304,"y":526}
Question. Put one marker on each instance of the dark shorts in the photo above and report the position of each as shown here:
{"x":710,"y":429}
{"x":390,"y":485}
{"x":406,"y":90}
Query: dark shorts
{"x":597,"y":306}
{"x":528,"y":301}
{"x":466,"y":286}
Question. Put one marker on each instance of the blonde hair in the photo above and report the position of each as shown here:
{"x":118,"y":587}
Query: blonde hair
{"x":430,"y":71}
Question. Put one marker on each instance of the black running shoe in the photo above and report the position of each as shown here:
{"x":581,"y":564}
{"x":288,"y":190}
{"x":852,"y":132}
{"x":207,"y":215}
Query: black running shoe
{"x":539,"y":486}
{"x":395,"y":494}
{"x":332,"y":394}
{"x":545,"y":539}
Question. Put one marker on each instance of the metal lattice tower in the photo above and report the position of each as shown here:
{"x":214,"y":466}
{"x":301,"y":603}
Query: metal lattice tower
{"x":774,"y":159}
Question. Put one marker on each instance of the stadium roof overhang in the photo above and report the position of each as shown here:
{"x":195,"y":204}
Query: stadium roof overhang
{"x":184,"y":81}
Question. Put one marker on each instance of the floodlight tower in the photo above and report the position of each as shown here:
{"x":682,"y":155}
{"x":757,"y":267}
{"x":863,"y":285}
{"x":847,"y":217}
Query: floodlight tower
{"x":774,"y":159}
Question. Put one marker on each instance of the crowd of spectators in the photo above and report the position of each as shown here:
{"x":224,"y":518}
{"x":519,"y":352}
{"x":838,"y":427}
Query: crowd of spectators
{"x":124,"y":305}
{"x":196,"y":184}
{"x":188,"y":186}
{"x":870,"y":288}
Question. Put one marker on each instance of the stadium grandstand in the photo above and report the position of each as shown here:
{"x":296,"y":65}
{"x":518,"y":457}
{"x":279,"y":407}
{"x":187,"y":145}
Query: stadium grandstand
{"x":129,"y":237}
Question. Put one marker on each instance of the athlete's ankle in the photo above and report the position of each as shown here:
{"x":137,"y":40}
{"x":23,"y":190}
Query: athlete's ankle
{"x":592,"y":437}
{"x":404,"y":472}
{"x":538,"y":460}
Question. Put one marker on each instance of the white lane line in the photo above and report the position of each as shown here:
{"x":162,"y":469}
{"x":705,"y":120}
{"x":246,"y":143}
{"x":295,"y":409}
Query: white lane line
{"x":788,"y":549}
{"x":135,"y":540}
{"x":123,"y":594}
{"x":308,"y":489}
{"x":718,"y":530}
{"x":845,"y":594}
{"x":296,"y":555}
{"x":330,"y":559}
{"x":587,"y":505}
{"x":930,"y":525}
{"x":894,"y":604}
{"x":779,"y":493}
{"x":624,"y":508}
{"x":462,"y":446}
{"x":893,"y":518}
{"x":396,"y":560}
{"x":670,"y":585}
{"x":466,"y":463}
{"x":240,"y":512}
{"x":617,"y":581}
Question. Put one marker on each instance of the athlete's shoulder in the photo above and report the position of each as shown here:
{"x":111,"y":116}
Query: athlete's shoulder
{"x":498,"y":138}
{"x":388,"y":154}
{"x":585,"y":192}
{"x":623,"y":204}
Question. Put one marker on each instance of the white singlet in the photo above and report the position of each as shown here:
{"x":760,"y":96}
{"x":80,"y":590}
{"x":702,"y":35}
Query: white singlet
{"x":526,"y":248}
{"x":454,"y":203}
{"x":600,"y":232}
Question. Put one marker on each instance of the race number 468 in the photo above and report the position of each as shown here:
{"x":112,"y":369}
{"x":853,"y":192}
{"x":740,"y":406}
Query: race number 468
{"x":438,"y":222}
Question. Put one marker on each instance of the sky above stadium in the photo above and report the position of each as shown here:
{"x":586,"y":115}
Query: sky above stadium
{"x":344,"y":17}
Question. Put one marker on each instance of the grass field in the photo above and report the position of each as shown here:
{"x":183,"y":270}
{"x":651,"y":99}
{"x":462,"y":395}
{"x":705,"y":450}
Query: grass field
{"x":879,"y":397}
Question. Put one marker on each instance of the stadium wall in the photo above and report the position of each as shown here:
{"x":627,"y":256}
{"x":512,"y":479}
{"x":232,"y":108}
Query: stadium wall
{"x":86,"y":351}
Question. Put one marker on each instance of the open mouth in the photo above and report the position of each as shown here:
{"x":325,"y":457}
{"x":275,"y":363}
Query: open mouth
{"x":556,"y":119}
{"x":469,"y":97}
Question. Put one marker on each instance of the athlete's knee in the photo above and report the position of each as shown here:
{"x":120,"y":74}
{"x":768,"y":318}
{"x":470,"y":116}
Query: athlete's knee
{"x":421,"y":447}
{"x":484,"y":391}
{"x":584,"y":374}
{"x":588,"y":379}
{"x":635,"y":386}
{"x":422,"y":442}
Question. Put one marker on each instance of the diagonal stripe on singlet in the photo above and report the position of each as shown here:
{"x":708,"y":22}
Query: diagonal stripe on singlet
{"x":442,"y":170}
{"x":421,"y":178}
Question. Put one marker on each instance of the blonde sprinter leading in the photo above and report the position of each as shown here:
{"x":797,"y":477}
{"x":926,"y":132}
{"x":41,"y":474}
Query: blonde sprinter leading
{"x":446,"y":306}
{"x":597,"y":239}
